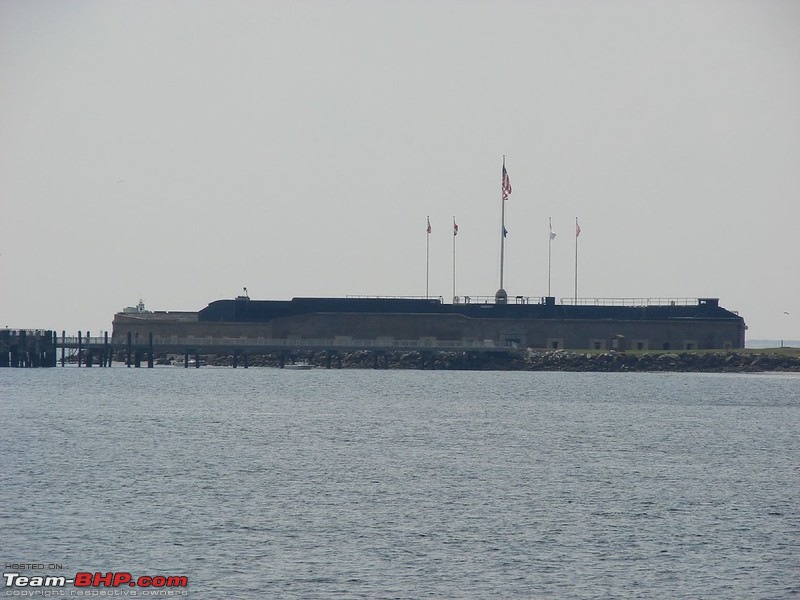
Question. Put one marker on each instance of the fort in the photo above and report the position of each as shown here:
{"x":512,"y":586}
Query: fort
{"x":480,"y":323}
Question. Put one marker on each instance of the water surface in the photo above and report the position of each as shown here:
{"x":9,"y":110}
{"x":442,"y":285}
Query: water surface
{"x":263,"y":483}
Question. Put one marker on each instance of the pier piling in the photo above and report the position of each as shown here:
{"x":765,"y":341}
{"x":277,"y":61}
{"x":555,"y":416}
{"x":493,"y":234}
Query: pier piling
{"x":5,"y":348}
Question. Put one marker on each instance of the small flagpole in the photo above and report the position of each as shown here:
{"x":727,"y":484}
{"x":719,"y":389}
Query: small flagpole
{"x":427,"y":258}
{"x":577,"y":233}
{"x":549,"y":252}
{"x":455,"y":234}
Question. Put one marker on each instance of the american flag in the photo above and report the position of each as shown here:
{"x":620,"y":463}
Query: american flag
{"x":429,"y":224}
{"x":455,"y":228}
{"x":506,"y":183}
{"x":577,"y":228}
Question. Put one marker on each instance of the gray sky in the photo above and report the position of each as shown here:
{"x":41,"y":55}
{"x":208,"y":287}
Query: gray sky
{"x":179,"y":151}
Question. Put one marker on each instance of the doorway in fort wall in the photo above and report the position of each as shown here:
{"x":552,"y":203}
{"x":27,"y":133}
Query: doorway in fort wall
{"x":555,"y":343}
{"x":513,"y":339}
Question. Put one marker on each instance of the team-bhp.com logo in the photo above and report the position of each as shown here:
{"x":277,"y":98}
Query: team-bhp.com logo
{"x":156,"y":584}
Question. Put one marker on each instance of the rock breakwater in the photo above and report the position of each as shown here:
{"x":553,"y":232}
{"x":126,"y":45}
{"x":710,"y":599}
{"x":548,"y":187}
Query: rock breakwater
{"x":538,"y":360}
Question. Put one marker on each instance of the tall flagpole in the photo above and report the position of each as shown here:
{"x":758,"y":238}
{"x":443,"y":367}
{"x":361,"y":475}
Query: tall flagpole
{"x":455,"y":233}
{"x":505,"y":189}
{"x":502,"y":225}
{"x":577,"y":233}
{"x":427,"y":257}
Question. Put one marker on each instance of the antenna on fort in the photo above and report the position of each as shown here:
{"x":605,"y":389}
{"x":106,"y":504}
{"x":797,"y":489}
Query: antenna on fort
{"x":786,"y":312}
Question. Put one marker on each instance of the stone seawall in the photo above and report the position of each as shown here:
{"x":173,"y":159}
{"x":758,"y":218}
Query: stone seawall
{"x":529,"y":360}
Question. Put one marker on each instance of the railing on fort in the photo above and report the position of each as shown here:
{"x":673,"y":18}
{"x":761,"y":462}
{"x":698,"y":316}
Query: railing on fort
{"x":493,"y":300}
{"x":370,"y":297}
{"x":582,"y":301}
{"x":630,"y":301}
